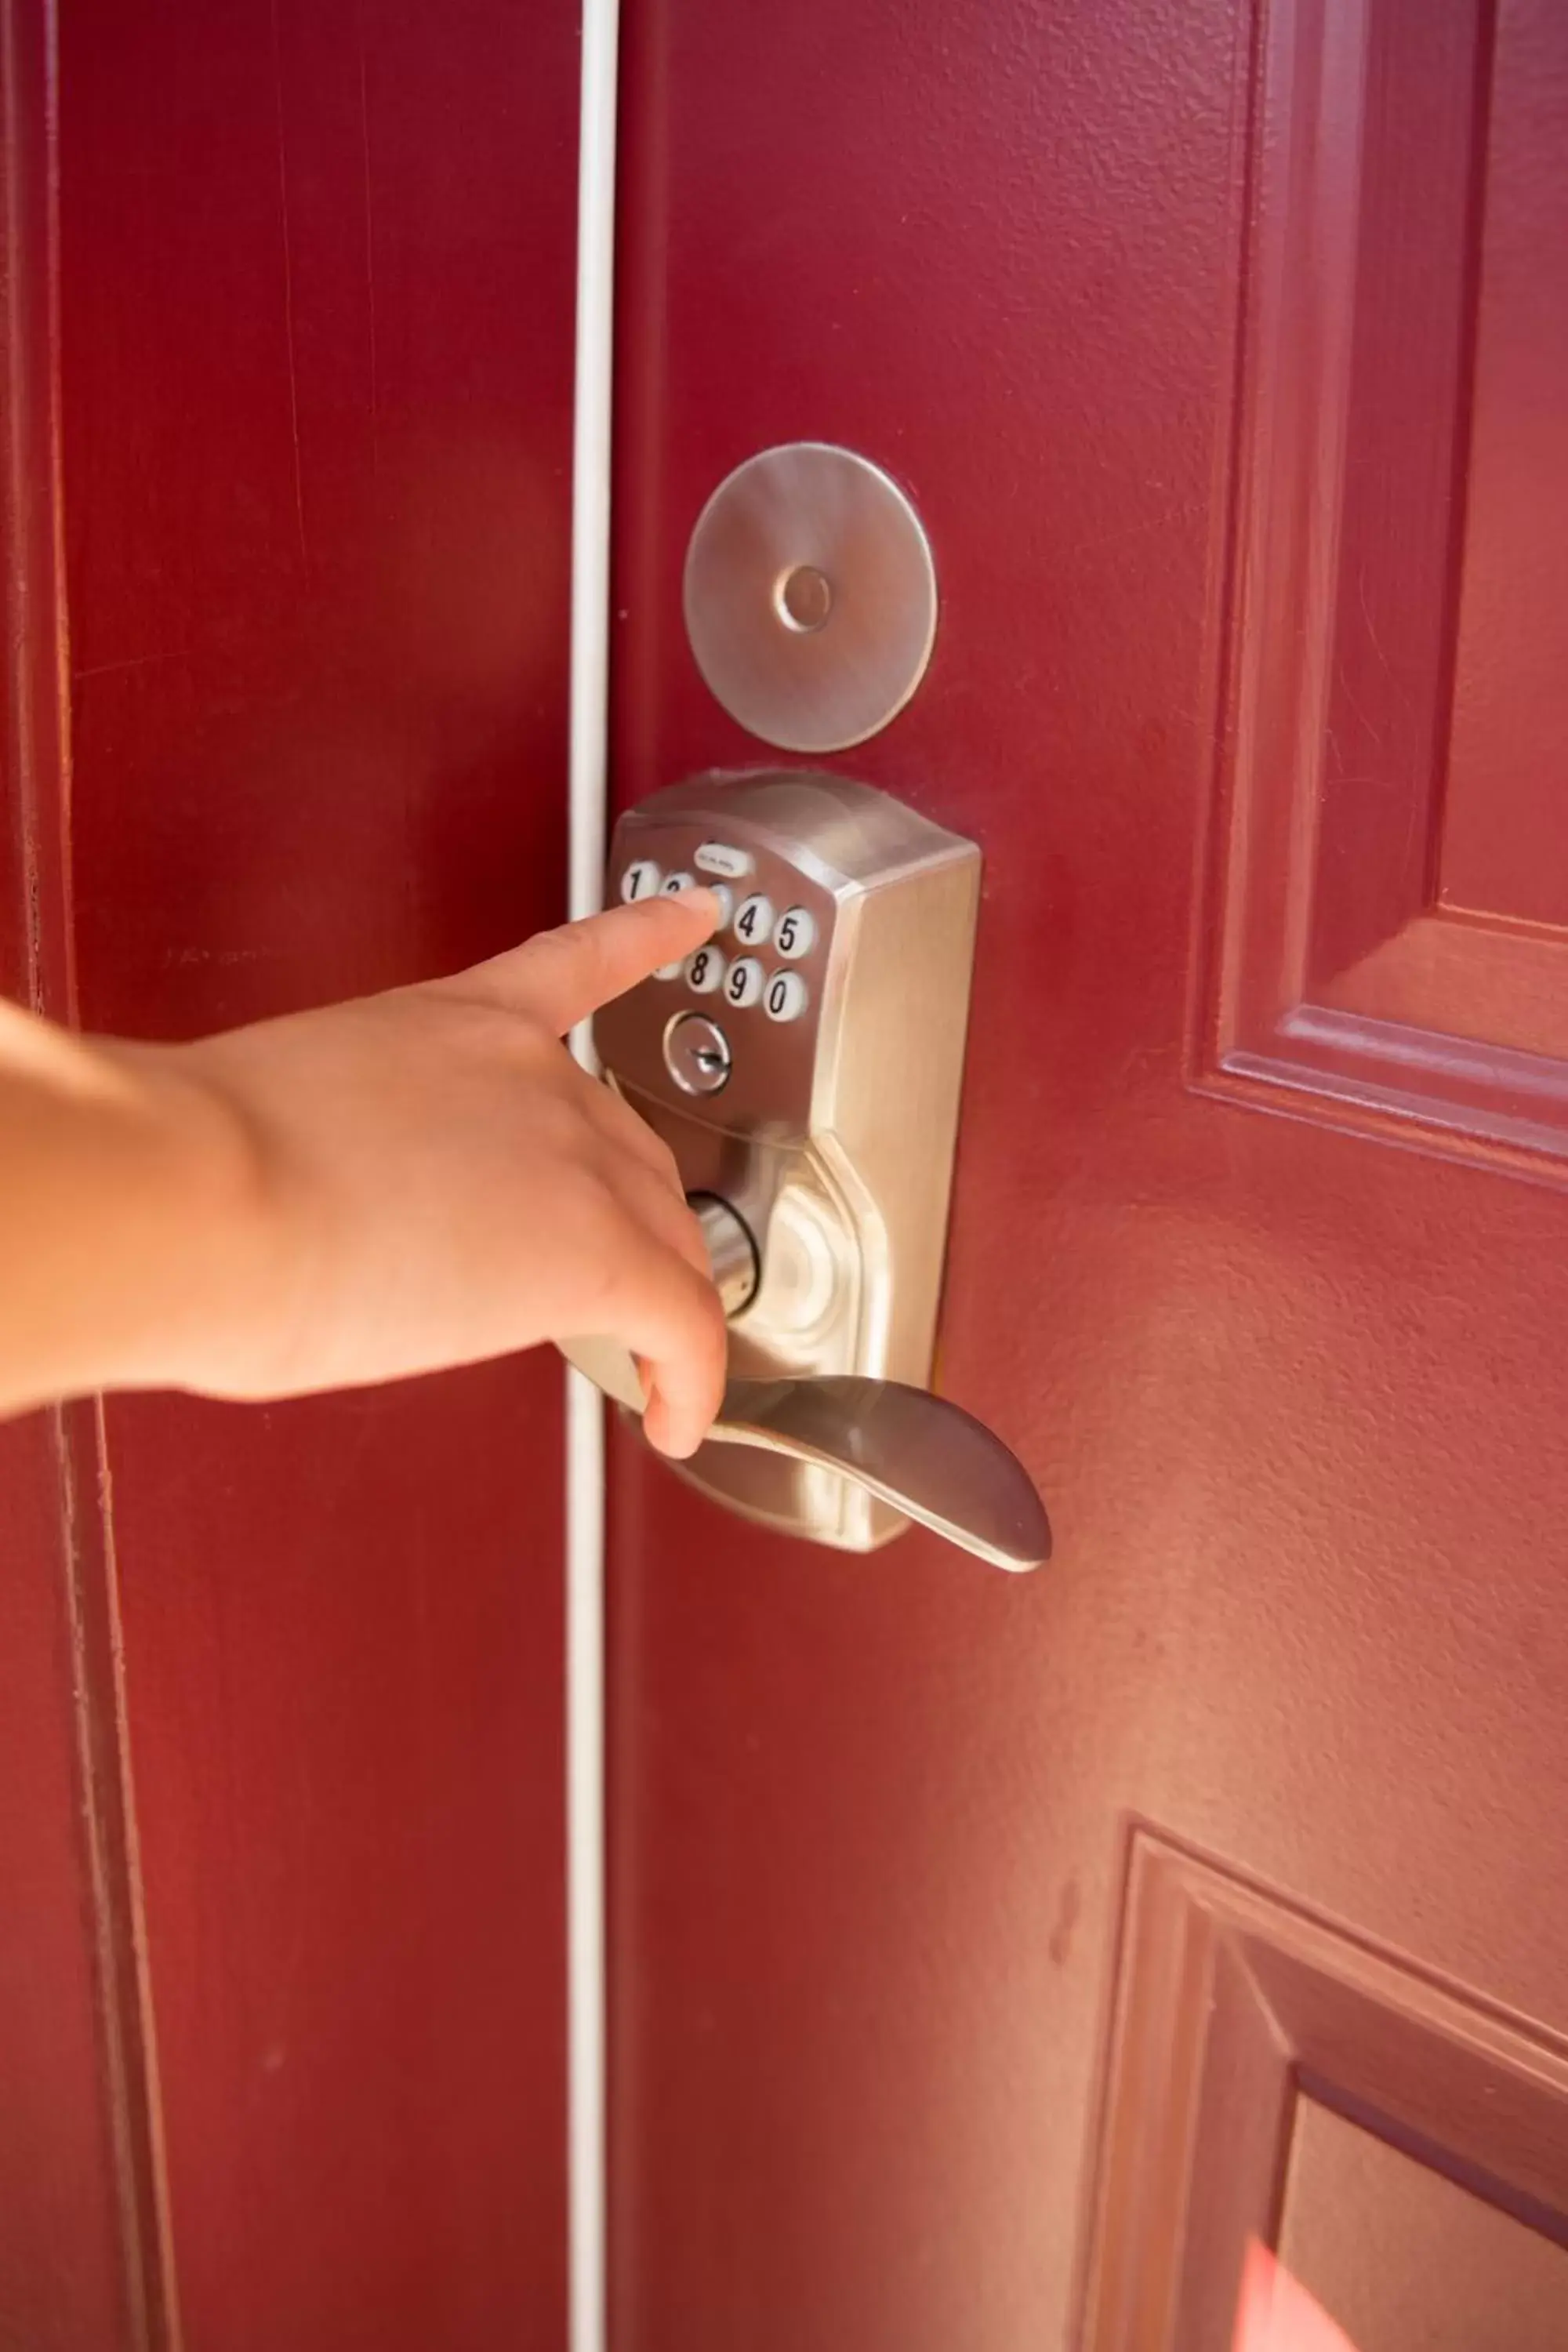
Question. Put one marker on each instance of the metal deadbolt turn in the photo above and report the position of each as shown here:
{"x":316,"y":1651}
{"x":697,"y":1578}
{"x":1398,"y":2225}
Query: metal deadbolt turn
{"x":811,"y":596}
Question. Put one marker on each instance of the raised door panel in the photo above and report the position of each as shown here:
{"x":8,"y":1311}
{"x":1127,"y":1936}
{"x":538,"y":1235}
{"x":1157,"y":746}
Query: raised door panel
{"x":1390,"y":914}
{"x":1273,"y":2076}
{"x":1402,"y":2253}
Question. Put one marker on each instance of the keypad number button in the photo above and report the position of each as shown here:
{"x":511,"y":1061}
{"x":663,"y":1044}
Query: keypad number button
{"x":796,"y":932}
{"x":705,"y":971}
{"x":744,"y":985}
{"x":754,"y":919}
{"x":673,"y":883}
{"x":640,"y":880}
{"x":667,"y":970}
{"x":786,"y":997}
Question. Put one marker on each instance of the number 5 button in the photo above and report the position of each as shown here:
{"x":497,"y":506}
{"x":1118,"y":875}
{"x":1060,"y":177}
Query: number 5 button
{"x":796,"y":933}
{"x":786,"y":996}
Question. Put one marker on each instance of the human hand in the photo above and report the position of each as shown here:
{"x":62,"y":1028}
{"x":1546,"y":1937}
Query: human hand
{"x":426,"y":1178}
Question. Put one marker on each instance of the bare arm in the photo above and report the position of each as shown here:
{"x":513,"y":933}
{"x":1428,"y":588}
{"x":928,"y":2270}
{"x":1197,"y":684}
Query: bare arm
{"x":385,"y":1187}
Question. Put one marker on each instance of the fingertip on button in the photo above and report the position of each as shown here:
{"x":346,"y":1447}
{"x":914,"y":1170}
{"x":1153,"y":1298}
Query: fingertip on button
{"x":699,"y":897}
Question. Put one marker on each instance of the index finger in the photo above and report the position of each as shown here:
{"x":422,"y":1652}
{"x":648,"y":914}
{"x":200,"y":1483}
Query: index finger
{"x":562,"y":976}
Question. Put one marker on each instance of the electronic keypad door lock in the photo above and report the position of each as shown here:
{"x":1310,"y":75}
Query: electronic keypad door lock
{"x":804,"y":1068}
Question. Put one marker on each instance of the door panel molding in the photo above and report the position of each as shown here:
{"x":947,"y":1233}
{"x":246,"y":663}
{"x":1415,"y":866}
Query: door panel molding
{"x":1369,"y":792}
{"x":77,"y":2065}
{"x":1232,"y":2007}
{"x":296,"y":445}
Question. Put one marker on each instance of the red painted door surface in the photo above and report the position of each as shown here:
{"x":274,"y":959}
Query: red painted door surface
{"x":991,"y":1956}
{"x":286,"y":371}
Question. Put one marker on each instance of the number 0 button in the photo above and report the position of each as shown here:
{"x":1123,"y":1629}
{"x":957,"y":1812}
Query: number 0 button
{"x":744,"y":985}
{"x":796,"y":933}
{"x":705,"y":971}
{"x":786,"y":996}
{"x":754,"y":919}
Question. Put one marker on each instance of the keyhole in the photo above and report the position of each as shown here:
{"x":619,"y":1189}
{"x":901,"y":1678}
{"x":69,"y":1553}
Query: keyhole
{"x":804,"y":599}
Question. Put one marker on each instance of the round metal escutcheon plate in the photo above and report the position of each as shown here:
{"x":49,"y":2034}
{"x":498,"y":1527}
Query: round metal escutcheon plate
{"x":810,"y":597}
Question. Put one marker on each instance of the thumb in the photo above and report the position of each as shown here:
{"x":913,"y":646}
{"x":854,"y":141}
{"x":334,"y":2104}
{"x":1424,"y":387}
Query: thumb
{"x":562,"y":976}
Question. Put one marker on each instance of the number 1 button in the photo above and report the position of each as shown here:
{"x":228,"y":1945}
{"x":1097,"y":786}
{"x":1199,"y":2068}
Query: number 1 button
{"x":640,"y":881}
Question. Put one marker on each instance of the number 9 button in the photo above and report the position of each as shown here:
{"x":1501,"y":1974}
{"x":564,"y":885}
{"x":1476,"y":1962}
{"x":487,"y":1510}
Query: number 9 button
{"x":744,"y":985}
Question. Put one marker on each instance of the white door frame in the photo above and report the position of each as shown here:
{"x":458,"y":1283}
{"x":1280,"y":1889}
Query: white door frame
{"x":585,"y":1481}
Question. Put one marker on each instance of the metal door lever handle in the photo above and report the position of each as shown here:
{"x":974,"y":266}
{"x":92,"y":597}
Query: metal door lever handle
{"x":924,"y":1456}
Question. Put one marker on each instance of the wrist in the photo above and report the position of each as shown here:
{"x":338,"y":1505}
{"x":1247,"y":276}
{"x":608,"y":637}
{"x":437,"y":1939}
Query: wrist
{"x":132,"y":1223}
{"x":190,"y":1243}
{"x":125,"y":1213}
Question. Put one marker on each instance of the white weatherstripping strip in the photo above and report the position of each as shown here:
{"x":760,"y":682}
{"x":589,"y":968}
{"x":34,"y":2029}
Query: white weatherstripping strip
{"x":584,"y":1410}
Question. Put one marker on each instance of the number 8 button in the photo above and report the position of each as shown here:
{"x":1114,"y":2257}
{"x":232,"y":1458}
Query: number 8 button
{"x":705,"y":971}
{"x":754,"y":919}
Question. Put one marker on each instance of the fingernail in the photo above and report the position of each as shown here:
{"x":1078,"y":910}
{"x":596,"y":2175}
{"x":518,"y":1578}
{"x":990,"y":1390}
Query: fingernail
{"x":700,"y":899}
{"x":677,"y":1446}
{"x":663,"y":1434}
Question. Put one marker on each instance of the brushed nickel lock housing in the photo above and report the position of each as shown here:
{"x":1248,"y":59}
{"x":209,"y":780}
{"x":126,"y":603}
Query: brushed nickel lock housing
{"x":804,"y":1066}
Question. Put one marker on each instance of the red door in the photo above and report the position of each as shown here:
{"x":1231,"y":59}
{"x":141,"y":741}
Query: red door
{"x":287,"y":373}
{"x":991,"y":1956}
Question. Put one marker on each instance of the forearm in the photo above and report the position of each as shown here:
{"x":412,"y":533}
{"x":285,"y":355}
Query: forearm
{"x":400,"y":1184}
{"x":120,"y":1209}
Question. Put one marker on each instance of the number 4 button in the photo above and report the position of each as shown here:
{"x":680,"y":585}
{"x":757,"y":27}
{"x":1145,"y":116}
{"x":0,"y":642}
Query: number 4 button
{"x":754,"y":919}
